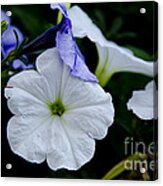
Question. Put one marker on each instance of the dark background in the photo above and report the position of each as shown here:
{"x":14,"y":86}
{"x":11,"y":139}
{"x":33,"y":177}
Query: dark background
{"x":119,"y":22}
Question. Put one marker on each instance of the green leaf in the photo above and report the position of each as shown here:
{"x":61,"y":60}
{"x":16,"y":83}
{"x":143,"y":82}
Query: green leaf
{"x":4,"y":26}
{"x":4,"y":77}
{"x":125,"y":35}
{"x":119,"y":168}
{"x":17,"y":39}
{"x":116,"y":26}
{"x":33,"y":28}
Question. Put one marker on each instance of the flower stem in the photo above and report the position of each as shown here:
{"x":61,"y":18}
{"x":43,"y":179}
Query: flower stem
{"x":119,"y":168}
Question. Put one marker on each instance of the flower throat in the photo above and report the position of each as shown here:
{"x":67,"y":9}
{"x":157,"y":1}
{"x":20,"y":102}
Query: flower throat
{"x":57,"y":108}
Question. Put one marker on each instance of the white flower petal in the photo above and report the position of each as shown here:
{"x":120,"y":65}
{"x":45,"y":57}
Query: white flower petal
{"x":76,"y":93}
{"x":85,"y":27}
{"x":50,"y":65}
{"x":114,"y":58}
{"x":21,"y":102}
{"x":144,"y":102}
{"x":94,"y":120}
{"x":73,"y":148}
{"x":87,"y":100}
{"x":33,"y":83}
{"x":28,"y":138}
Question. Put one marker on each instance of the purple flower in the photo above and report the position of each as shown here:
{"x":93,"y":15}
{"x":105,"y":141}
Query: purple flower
{"x":68,"y":48}
{"x":18,"y":64}
{"x":9,"y":42}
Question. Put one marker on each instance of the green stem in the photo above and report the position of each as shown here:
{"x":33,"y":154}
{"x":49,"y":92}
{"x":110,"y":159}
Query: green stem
{"x":119,"y":168}
{"x":4,"y":62}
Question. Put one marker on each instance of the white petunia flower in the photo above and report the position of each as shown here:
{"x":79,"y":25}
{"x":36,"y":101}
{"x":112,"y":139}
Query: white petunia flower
{"x":112,"y":58}
{"x":144,"y":102}
{"x":56,"y":117}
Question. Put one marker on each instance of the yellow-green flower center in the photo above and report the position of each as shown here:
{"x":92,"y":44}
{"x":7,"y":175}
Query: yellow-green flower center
{"x":57,"y":108}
